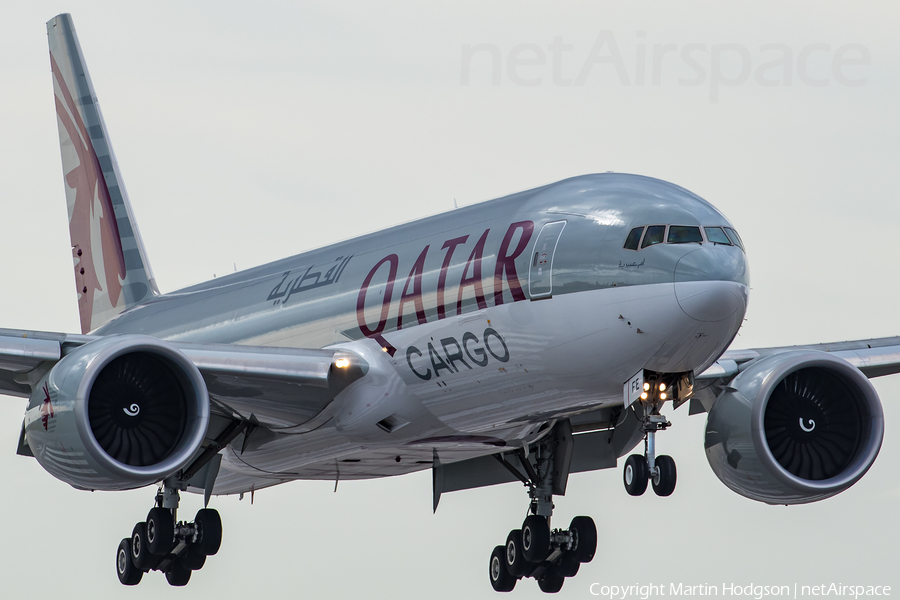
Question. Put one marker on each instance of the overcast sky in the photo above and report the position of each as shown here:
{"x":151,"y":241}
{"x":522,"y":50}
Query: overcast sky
{"x":246,"y":135}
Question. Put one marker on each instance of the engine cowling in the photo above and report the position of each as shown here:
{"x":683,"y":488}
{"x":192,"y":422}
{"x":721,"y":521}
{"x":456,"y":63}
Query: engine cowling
{"x":794,"y":427}
{"x":118,"y":413}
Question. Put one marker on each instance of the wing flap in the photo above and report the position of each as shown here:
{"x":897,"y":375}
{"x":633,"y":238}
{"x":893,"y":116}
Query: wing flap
{"x":20,"y":354}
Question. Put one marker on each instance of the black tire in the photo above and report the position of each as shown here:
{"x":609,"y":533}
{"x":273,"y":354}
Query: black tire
{"x":209,"y":531}
{"x":125,"y":569}
{"x":585,"y":533}
{"x":192,"y":559}
{"x":551,"y":581}
{"x":141,"y":556}
{"x":516,"y":564}
{"x":178,"y":575}
{"x":160,"y":531}
{"x":535,"y":538}
{"x":501,"y":580}
{"x":568,"y":565}
{"x":636,"y":475}
{"x":664,"y":482}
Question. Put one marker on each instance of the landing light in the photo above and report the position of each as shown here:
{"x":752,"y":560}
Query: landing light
{"x":662,"y":396}
{"x":342,"y":363}
{"x":644,"y":396}
{"x":662,"y":387}
{"x":646,"y":387}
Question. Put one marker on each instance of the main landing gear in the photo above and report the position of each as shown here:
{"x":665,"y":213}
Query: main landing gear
{"x":161,"y":543}
{"x":649,"y":468}
{"x":548,"y":555}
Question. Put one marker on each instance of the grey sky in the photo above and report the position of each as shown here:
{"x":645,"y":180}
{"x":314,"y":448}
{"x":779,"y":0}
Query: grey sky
{"x":245,"y":135}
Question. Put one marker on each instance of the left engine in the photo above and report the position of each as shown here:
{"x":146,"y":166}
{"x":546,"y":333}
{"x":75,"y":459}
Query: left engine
{"x":118,"y":413}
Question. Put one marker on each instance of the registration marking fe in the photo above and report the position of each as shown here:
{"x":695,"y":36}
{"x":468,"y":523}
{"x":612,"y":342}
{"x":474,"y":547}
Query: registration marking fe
{"x":634,"y":388}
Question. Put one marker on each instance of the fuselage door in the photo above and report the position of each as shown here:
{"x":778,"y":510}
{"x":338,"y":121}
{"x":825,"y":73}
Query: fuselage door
{"x":540,"y":282}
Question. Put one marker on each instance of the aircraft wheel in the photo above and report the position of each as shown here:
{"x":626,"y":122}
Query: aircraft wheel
{"x":501,"y":580}
{"x":192,"y":559}
{"x":125,"y":569}
{"x":586,"y":539}
{"x":551,"y":581}
{"x":664,"y":482}
{"x":535,"y":538}
{"x":568,"y":566}
{"x":636,"y":475}
{"x":141,"y":556}
{"x":515,"y":555}
{"x":178,"y":575}
{"x":209,"y":531}
{"x":160,"y":531}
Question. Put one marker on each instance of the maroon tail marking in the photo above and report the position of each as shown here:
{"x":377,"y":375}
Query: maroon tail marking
{"x":85,"y":179}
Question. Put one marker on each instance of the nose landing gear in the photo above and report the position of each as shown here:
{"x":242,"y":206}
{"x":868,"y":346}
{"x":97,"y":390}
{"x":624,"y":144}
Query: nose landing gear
{"x":650,"y":468}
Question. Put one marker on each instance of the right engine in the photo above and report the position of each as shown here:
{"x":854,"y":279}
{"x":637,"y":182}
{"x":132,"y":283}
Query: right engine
{"x":794,"y":427}
{"x":118,"y":413}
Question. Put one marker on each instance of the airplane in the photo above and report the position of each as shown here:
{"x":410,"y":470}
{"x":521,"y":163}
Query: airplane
{"x":508,"y":341}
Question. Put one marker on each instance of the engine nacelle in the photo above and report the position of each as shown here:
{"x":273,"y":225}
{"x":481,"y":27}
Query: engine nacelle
{"x":795,"y":427}
{"x":118,"y":413}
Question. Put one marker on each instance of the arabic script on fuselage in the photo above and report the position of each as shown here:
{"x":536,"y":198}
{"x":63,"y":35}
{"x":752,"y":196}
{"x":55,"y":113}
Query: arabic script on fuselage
{"x":308,"y":280}
{"x":632,"y":265}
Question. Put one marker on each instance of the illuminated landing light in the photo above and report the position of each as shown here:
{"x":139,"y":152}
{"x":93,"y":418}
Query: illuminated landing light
{"x":662,"y":396}
{"x":342,"y":363}
{"x":662,"y":387}
{"x":646,"y":387}
{"x":383,"y":349}
{"x":644,"y":396}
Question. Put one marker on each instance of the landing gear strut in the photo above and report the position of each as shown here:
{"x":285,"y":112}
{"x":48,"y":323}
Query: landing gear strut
{"x":161,"y":543}
{"x":548,"y":555}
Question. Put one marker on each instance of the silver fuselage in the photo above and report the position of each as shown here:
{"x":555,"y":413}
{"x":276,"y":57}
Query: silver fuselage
{"x":477,"y":325}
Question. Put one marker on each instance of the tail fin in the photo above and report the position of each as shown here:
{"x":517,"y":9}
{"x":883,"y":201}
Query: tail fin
{"x":111,"y":268}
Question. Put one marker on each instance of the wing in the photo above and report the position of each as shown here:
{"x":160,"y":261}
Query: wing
{"x":874,"y":358}
{"x":287,"y":390}
{"x":280,"y":387}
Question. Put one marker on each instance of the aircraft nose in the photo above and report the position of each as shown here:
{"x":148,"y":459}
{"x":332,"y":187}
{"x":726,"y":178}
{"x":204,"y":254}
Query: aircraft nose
{"x":711,"y":283}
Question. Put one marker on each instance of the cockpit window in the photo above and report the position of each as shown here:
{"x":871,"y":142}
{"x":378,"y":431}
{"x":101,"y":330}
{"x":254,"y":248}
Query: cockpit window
{"x":655,"y":235}
{"x":634,"y":238}
{"x":717,"y":236}
{"x":680,"y":234}
{"x":734,"y":237}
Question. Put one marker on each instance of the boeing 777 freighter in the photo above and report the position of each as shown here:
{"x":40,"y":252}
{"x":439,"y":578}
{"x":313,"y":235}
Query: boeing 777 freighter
{"x":521,"y":339}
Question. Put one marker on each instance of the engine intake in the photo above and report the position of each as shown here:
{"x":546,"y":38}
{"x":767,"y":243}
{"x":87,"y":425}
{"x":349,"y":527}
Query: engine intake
{"x":794,"y":427}
{"x":118,"y":413}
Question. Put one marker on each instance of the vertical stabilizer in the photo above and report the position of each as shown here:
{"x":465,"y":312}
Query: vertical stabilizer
{"x":111,"y":268}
